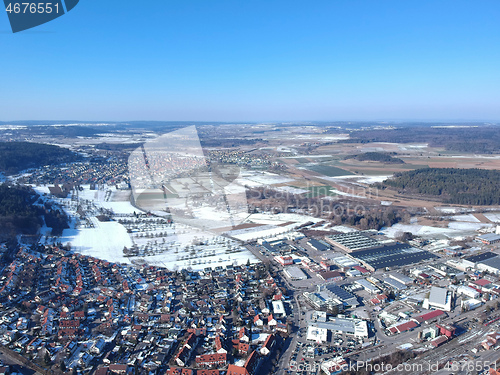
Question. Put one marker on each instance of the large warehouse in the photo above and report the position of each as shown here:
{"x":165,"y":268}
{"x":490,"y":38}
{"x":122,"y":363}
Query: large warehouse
{"x":489,"y":238}
{"x":491,"y":265}
{"x":317,"y":327}
{"x":395,"y":255}
{"x":351,"y":241}
{"x":294,"y":273}
{"x":439,"y":298}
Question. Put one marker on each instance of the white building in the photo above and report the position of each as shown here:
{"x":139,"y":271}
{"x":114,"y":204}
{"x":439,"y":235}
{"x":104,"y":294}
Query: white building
{"x":334,"y":366}
{"x":471,"y":304}
{"x":317,"y":334}
{"x":439,"y":298}
{"x":401,"y":278}
{"x":468,"y":291}
{"x":368,"y":286}
{"x":349,"y":326}
{"x":294,"y":273}
{"x":278,"y":309}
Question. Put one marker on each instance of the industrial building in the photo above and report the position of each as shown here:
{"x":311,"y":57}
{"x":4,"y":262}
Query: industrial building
{"x":470,"y":304}
{"x":318,"y":245}
{"x":429,"y":317}
{"x":468,"y":291}
{"x":351,"y":241}
{"x":294,"y":273}
{"x":395,"y":255}
{"x":349,"y":326}
{"x":401,"y":278}
{"x":394,"y":284}
{"x":491,"y":265}
{"x":343,"y":261}
{"x":440,"y":340}
{"x":347,"y":298}
{"x":479,"y":258}
{"x":331,"y":276}
{"x":331,"y":297}
{"x":317,"y":334}
{"x":403,"y":327}
{"x":489,"y":238}
{"x":439,"y":298}
{"x":368,"y":286}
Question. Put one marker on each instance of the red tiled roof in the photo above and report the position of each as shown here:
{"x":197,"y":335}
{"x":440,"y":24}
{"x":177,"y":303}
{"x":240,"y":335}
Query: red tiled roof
{"x":482,"y":282}
{"x":431,"y":315}
{"x":361,"y":269}
{"x":406,"y":326}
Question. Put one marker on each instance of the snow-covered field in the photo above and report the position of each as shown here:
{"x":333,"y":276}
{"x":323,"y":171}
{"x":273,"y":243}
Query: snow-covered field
{"x":449,"y":210}
{"x":105,"y":241}
{"x":291,"y":190}
{"x":150,"y":240}
{"x":420,"y":230}
{"x":455,"y":229}
{"x":362,"y":179}
{"x":468,"y":227}
{"x":467,"y":217}
{"x":494,"y":217}
{"x":256,"y":178}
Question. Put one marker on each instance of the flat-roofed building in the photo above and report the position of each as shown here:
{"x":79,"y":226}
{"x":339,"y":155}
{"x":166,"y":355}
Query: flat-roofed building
{"x":334,"y":366}
{"x":351,"y":241}
{"x":317,"y":334}
{"x":468,"y":291}
{"x":284,"y":260}
{"x":294,"y":273}
{"x":324,"y":300}
{"x":318,"y":245}
{"x":368,"y":286}
{"x":340,"y":293}
{"x":392,"y":255}
{"x":394,"y":284}
{"x":349,"y":326}
{"x":439,"y":298}
{"x":278,"y":309}
{"x":401,"y":278}
{"x":491,"y":265}
{"x":489,"y":238}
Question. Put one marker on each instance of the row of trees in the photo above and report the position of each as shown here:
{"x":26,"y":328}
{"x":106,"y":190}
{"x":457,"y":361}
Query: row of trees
{"x":351,"y":212}
{"x":382,"y":157}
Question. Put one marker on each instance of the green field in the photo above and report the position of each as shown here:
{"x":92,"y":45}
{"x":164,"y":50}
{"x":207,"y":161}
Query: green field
{"x":329,"y":170}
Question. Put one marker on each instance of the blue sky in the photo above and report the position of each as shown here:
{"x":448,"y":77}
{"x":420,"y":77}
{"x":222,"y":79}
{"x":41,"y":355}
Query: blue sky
{"x":256,"y":61}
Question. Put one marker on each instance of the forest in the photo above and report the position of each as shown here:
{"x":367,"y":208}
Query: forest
{"x":22,"y":212}
{"x":17,"y":156}
{"x":348,"y":211}
{"x":458,"y":186}
{"x":382,"y":157}
{"x":479,"y":139}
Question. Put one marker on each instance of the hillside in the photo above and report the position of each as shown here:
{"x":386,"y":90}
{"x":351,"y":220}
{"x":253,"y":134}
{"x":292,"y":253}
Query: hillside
{"x":17,"y":156}
{"x":458,"y":186}
{"x":22,"y":213}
